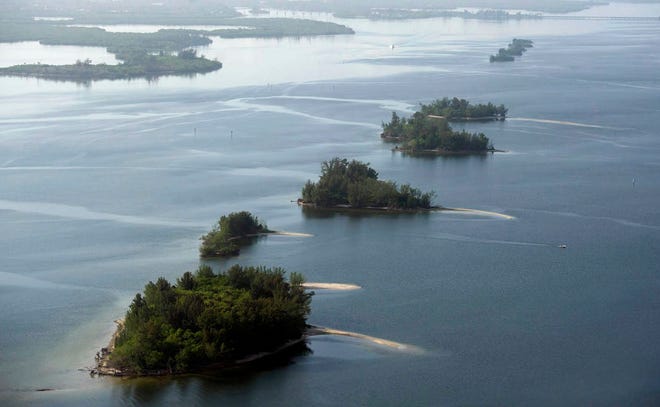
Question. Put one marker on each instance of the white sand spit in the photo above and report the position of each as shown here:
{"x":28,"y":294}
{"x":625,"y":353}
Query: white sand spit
{"x":319,"y":330}
{"x":293,"y":234}
{"x":481,"y":213}
{"x":331,"y":286}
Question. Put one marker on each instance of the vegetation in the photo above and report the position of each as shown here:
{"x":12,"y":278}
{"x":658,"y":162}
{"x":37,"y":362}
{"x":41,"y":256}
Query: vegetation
{"x":428,"y":130}
{"x":460,"y":109}
{"x":515,"y":49}
{"x":420,"y":8}
{"x":356,"y":185}
{"x":279,"y":27}
{"x":401,"y":14}
{"x":207,"y":319}
{"x":140,"y":66}
{"x":225,"y":237}
{"x":146,"y":55}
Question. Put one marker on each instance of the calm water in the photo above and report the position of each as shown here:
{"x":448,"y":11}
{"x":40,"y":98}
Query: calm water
{"x":108,"y":186}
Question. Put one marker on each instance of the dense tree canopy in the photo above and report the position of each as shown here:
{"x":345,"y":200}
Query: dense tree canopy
{"x":461,"y":109}
{"x":145,"y":55}
{"x":224,"y":238}
{"x":206,"y":318}
{"x":515,"y":49}
{"x":421,"y":132}
{"x":356,"y":184}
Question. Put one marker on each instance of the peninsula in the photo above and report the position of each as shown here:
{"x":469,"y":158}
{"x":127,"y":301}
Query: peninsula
{"x":208,"y":321}
{"x":230,"y":233}
{"x":354,"y":185}
{"x":428,"y":130}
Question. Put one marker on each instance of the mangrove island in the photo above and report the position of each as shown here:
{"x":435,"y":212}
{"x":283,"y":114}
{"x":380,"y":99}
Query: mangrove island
{"x":208,"y":321}
{"x":230,"y":233}
{"x":428,"y":130}
{"x":515,"y":49}
{"x":355,"y":185}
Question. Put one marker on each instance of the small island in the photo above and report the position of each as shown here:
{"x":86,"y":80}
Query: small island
{"x":428,"y":130}
{"x":456,"y":109}
{"x":515,"y":49}
{"x":230,"y":233}
{"x":147,"y":66}
{"x":208,"y":321}
{"x":355,"y":186}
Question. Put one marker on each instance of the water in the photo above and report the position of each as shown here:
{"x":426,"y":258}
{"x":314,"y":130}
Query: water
{"x":108,"y":186}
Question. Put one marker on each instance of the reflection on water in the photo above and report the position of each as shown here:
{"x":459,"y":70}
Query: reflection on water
{"x":32,"y":52}
{"x":204,"y":384}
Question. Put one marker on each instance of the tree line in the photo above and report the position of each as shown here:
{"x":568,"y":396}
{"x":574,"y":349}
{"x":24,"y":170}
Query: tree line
{"x":516,"y":48}
{"x":208,"y":318}
{"x":423,"y":133}
{"x":225,"y":237}
{"x":355,"y":184}
{"x":456,"y":109}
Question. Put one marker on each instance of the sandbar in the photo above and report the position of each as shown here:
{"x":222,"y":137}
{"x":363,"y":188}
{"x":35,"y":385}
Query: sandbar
{"x":319,"y":330}
{"x":480,"y":213}
{"x":293,"y":234}
{"x":331,"y":286}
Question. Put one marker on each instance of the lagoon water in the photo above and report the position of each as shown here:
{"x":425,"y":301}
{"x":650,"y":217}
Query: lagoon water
{"x":107,"y":186}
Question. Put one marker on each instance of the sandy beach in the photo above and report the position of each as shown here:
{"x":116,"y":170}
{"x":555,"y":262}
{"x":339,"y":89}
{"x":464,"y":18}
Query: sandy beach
{"x":292,"y":234}
{"x":331,"y":286}
{"x":480,"y":213}
{"x":319,"y":330}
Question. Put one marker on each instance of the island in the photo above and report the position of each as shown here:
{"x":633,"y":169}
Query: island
{"x":146,"y":55}
{"x":427,"y":133}
{"x":354,"y":185}
{"x":409,"y":14}
{"x":230,"y":233}
{"x":456,"y":109}
{"x":147,"y":66}
{"x":407,"y":9}
{"x":515,"y":49}
{"x":208,"y":321}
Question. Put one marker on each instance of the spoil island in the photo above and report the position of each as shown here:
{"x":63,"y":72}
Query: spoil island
{"x":516,"y":48}
{"x":230,"y":233}
{"x":208,"y":321}
{"x":354,"y":185}
{"x":456,"y":109}
{"x":428,"y":130}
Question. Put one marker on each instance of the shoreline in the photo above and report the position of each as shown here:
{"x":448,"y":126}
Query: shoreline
{"x":379,"y":210}
{"x":468,"y":119}
{"x":441,"y":152}
{"x":251,"y":235}
{"x":103,"y":367}
{"x":368,"y":209}
{"x":102,"y":357}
